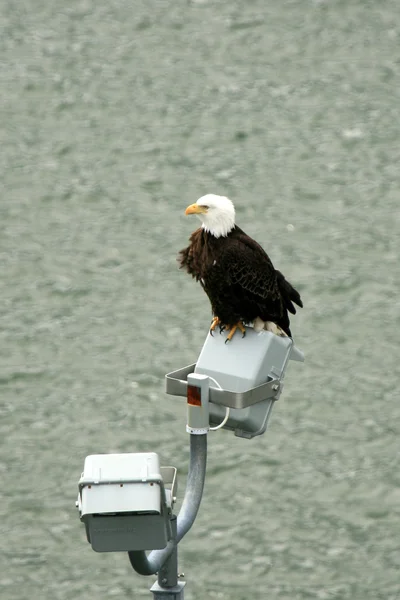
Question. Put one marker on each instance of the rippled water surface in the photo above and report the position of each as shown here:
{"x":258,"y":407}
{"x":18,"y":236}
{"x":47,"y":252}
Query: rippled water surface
{"x":115,"y":116}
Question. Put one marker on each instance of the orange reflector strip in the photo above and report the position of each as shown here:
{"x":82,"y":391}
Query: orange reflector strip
{"x":193,"y":395}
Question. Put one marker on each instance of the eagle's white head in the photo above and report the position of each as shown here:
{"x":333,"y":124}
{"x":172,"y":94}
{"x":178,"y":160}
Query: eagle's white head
{"x":216,"y":212}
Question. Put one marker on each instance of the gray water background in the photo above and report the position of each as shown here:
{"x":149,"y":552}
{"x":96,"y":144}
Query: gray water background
{"x":116,"y":116}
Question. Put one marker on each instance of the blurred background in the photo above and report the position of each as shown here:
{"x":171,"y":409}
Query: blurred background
{"x":115,"y":117}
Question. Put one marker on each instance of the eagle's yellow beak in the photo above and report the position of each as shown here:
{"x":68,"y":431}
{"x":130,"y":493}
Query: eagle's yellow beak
{"x":195,"y":209}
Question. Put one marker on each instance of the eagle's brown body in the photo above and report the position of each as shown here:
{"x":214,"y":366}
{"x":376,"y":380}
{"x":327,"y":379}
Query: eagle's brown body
{"x":239,"y":278}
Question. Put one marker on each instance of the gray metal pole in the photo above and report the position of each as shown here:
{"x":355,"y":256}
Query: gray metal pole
{"x":148,"y":565}
{"x":194,"y":486}
{"x":167,"y":587}
{"x":168,"y":574}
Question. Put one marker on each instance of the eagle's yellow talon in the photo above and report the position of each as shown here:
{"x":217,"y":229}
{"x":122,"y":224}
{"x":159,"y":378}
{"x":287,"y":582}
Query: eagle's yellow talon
{"x":214,"y":323}
{"x":239,"y":325}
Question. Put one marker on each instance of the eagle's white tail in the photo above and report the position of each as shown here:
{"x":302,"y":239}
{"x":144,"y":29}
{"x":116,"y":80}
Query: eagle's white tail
{"x":260,"y":325}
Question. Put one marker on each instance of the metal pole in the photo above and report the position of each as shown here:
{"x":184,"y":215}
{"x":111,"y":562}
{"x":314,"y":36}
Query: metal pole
{"x":168,"y":574}
{"x":167,"y":587}
{"x":148,"y":565}
{"x":194,"y":486}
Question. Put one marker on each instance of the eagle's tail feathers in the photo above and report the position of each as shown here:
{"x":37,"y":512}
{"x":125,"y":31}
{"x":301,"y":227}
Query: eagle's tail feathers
{"x":289,"y":294}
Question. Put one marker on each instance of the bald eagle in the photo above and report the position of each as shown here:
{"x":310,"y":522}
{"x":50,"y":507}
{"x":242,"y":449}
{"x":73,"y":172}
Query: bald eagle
{"x":235,"y":272}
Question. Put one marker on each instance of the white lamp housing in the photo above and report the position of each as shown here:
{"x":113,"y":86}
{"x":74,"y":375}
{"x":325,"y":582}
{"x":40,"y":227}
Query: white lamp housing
{"x":123,"y":502}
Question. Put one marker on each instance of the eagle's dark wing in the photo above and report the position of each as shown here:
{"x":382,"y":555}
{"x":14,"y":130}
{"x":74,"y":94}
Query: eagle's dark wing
{"x":246,"y":264}
{"x":274,"y":285}
{"x":252,"y":286}
{"x":242,"y":284}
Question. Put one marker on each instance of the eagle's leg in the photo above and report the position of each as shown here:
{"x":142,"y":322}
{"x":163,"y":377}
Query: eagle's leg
{"x":232,"y":330}
{"x":214,"y":323}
